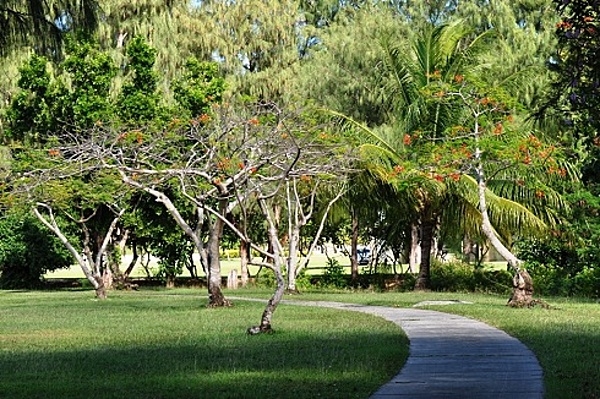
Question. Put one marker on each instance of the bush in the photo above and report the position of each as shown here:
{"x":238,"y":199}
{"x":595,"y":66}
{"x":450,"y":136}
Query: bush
{"x":303,"y":281}
{"x":28,"y":251}
{"x":334,"y":276}
{"x":265,"y":278}
{"x":556,"y":281}
{"x":458,"y":276}
{"x":559,"y":269}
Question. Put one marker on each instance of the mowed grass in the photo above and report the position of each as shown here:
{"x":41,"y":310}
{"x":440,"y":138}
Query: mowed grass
{"x":167,"y":344}
{"x":317,"y":264}
{"x":565,"y":338}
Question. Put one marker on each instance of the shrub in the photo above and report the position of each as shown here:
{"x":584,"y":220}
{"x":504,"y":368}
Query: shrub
{"x":560,"y":269}
{"x":265,"y":278}
{"x":303,"y":281}
{"x":458,"y":276}
{"x":28,"y":251}
{"x":334,"y":276}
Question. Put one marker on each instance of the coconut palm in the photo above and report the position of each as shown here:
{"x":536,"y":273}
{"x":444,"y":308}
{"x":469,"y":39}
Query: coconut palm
{"x":438,"y":56}
{"x":439,"y":53}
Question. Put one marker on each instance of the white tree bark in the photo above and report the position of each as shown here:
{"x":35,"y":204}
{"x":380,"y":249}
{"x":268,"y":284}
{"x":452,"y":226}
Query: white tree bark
{"x":414,"y":257}
{"x":216,"y":297}
{"x":92,"y":275}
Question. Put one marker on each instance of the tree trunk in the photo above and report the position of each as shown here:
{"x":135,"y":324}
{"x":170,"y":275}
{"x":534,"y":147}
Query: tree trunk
{"x":232,"y":280}
{"x":414,"y":257}
{"x":354,"y":247}
{"x":170,"y":281}
{"x":292,"y":260}
{"x":215,"y":295}
{"x":190,"y":265}
{"x":267,"y":315}
{"x":133,"y":262}
{"x":99,"y":287}
{"x":423,"y":281}
{"x":522,"y":295}
{"x":94,"y":279}
{"x":244,"y":259}
{"x":107,"y":277}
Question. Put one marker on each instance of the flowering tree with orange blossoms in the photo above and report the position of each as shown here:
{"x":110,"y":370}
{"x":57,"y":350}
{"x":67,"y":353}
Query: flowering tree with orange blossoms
{"x":495,"y":154}
{"x":488,"y":159}
{"x":238,"y":155}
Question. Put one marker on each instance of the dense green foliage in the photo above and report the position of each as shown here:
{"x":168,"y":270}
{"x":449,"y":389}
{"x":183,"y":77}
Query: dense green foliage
{"x":138,"y":102}
{"x":567,"y":261}
{"x":578,"y":67}
{"x":433,"y":84}
{"x":42,"y":23}
{"x":461,"y":277}
{"x":27,"y":252}
{"x":199,"y":87}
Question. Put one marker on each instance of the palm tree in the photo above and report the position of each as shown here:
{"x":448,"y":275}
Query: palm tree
{"x":439,"y":53}
{"x":411,"y":73}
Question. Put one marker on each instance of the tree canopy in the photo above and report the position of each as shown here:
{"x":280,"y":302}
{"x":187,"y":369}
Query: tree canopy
{"x":230,"y":114}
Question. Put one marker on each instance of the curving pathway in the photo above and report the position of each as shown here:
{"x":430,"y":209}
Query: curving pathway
{"x":454,"y":357}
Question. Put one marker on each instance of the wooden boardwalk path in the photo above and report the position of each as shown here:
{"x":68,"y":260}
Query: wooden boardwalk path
{"x":454,"y":357}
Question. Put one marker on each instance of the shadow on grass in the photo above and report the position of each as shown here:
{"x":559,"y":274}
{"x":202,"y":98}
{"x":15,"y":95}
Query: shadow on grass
{"x":570,"y":359}
{"x":262,"y":367}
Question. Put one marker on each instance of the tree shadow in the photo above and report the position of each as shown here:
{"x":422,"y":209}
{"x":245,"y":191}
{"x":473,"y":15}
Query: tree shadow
{"x":259,"y":367}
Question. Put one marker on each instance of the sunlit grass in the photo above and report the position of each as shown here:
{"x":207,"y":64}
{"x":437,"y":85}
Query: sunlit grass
{"x":167,"y":344}
{"x":316,"y":265}
{"x":565,"y":338}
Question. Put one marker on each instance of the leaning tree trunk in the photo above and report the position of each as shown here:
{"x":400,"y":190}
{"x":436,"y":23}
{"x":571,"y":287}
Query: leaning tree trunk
{"x":423,"y":281}
{"x":522,"y":295}
{"x":93,"y":277}
{"x":267,"y":315}
{"x":134,"y":259}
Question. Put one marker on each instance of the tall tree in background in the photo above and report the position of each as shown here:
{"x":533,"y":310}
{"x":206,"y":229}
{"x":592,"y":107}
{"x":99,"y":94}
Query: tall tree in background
{"x":259,"y":44}
{"x":577,"y":66}
{"x":439,"y":52}
{"x":42,"y":24}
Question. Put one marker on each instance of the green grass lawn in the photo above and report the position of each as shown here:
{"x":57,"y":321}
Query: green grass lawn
{"x":317,"y":264}
{"x":318,"y":261}
{"x":565,"y":338}
{"x":167,"y":344}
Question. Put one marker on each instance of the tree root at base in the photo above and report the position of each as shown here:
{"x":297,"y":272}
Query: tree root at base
{"x":255,"y":330}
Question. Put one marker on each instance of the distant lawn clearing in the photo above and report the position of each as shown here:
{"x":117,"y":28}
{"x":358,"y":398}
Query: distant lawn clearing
{"x":316,"y":266}
{"x":166,"y":344}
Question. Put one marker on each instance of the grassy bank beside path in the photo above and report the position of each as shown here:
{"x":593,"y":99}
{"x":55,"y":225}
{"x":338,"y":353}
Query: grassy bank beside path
{"x":565,"y":338}
{"x":167,"y":344}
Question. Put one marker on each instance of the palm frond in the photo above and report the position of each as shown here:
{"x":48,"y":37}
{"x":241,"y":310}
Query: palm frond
{"x":508,"y":217}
